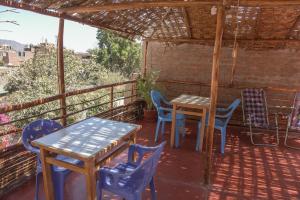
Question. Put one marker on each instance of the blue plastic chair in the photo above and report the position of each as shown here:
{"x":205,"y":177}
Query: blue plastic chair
{"x":223,"y":116}
{"x":165,"y":115}
{"x":130,"y":179}
{"x":35,"y":130}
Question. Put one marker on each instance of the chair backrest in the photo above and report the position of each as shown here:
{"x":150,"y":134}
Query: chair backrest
{"x":295,"y":115}
{"x":231,"y":108}
{"x":37,"y":129}
{"x":255,"y":105}
{"x":157,"y":99}
{"x":143,"y":174}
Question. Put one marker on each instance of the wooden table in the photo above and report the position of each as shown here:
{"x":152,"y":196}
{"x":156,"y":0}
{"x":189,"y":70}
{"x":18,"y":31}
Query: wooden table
{"x":198,"y":106}
{"x":92,"y":141}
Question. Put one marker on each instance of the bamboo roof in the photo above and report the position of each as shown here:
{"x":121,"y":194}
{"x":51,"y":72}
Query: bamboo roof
{"x":258,"y":23}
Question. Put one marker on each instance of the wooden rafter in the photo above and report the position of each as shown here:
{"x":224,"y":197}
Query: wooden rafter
{"x":157,"y":4}
{"x":35,"y":9}
{"x":135,"y":5}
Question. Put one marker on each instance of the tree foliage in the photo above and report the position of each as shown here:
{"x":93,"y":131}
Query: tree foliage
{"x":37,"y":78}
{"x":118,"y":54}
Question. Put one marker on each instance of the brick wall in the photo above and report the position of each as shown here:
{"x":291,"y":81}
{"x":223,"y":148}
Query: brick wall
{"x":191,"y":64}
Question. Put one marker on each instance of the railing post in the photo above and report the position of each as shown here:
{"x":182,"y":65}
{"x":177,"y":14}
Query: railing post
{"x":61,"y":71}
{"x":111,"y":99}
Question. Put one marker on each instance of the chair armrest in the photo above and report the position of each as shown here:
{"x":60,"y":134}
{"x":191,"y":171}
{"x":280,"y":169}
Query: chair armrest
{"x":141,"y":150}
{"x":165,"y":109}
{"x":166,"y":102}
{"x":114,"y":175}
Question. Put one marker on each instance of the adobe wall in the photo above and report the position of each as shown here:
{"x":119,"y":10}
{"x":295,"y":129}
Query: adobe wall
{"x":186,"y":68}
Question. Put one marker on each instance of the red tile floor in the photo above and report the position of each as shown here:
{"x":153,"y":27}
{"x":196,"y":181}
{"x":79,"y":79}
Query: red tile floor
{"x":243,"y":172}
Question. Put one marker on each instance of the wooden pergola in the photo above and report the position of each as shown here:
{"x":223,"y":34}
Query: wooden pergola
{"x":250,"y":24}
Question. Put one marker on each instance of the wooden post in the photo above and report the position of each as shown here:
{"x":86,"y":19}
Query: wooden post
{"x":145,"y":59}
{"x":214,"y":91}
{"x":61,"y":71}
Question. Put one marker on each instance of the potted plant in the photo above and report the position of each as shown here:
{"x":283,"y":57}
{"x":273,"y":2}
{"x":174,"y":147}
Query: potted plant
{"x":144,"y":86}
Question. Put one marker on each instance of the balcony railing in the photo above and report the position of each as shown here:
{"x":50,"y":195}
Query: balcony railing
{"x":113,"y":101}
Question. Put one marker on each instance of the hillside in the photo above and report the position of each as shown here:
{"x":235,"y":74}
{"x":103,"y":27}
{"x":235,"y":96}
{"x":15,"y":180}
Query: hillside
{"x":14,"y":44}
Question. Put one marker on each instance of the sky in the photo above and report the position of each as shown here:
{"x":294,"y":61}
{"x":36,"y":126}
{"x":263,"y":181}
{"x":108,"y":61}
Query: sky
{"x":34,"y":28}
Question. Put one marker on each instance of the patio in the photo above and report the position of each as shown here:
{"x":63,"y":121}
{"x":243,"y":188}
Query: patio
{"x":244,"y":172}
{"x":183,"y":39}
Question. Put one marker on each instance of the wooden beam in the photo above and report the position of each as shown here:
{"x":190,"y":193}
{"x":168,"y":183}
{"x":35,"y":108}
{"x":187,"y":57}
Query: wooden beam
{"x":61,"y":71}
{"x":188,"y":40}
{"x":135,"y":5}
{"x":214,"y":91}
{"x":161,"y":4}
{"x":187,"y":23}
{"x":51,"y":13}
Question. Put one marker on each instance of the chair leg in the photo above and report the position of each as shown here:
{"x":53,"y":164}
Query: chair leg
{"x":177,"y":134}
{"x":286,"y":139}
{"x":152,"y":189}
{"x":198,"y":136}
{"x":37,"y":185}
{"x":183,"y":128}
{"x":137,"y":197}
{"x":59,"y":181}
{"x":263,"y":144}
{"x":223,"y":139}
{"x":157,"y":129}
{"x":163,"y":128}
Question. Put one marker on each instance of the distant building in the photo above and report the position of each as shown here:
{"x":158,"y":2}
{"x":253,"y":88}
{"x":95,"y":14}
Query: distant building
{"x":84,"y":55}
{"x":11,"y":57}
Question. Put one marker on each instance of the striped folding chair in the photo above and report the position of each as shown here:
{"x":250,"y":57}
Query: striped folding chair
{"x":293,"y":121}
{"x":255,"y":113}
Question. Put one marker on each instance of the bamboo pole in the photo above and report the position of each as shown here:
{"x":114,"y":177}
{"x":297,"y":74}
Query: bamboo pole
{"x":214,"y":91}
{"x":61,"y":71}
{"x":145,"y":59}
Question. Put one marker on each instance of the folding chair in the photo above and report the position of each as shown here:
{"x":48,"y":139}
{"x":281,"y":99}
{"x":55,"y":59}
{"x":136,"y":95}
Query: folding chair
{"x":255,"y":113}
{"x":293,"y":120}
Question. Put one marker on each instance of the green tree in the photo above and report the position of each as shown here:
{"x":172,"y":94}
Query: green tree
{"x":118,"y":54}
{"x":37,"y":78}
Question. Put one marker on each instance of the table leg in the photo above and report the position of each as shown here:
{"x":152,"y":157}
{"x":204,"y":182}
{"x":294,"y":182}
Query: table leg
{"x":90,"y":179}
{"x":47,"y":176}
{"x":202,"y":133}
{"x":173,"y":126}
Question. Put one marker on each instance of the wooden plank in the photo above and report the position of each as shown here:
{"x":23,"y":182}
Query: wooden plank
{"x":214,"y":91}
{"x":61,"y":71}
{"x":66,"y":165}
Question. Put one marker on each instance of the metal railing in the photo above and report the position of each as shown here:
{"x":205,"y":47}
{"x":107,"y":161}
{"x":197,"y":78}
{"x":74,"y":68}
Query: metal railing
{"x":113,"y":101}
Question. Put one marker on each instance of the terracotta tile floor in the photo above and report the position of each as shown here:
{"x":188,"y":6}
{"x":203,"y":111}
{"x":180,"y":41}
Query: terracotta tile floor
{"x":243,"y":172}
